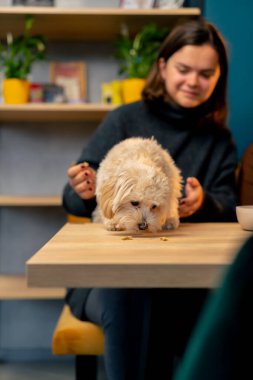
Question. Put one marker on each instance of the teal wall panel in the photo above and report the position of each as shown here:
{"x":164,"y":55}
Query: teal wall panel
{"x":234,"y":19}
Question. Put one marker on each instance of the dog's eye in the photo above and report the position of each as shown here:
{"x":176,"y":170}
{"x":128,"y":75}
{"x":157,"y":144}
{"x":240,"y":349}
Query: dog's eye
{"x":135,"y":203}
{"x":153,"y":207}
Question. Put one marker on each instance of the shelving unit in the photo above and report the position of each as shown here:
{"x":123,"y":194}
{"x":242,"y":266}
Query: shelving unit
{"x":85,"y":24}
{"x":59,"y":25}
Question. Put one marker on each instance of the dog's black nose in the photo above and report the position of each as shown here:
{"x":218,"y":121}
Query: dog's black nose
{"x":143,"y":226}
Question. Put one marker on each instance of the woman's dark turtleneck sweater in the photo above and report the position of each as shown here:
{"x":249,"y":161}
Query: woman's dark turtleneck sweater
{"x":178,"y":115}
{"x":200,"y":149}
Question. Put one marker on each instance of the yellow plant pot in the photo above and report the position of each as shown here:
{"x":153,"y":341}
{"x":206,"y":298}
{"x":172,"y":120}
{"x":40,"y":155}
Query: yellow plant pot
{"x":15,"y":91}
{"x":131,"y":89}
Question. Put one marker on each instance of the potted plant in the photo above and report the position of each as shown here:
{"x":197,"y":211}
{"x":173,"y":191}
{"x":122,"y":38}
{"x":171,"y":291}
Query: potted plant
{"x":16,"y":59}
{"x":136,"y":56}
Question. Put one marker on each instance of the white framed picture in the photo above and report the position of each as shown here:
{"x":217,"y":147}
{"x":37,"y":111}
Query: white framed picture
{"x":136,"y":4}
{"x":169,"y":4}
{"x":72,"y":77}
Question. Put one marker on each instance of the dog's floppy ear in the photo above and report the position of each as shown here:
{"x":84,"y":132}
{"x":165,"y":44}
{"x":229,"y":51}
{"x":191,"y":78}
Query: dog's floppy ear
{"x":123,"y":187}
{"x":106,"y":196}
{"x":112,"y":193}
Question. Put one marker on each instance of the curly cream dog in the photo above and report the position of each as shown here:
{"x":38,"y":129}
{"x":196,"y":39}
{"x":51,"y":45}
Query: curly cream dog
{"x":138,"y":186}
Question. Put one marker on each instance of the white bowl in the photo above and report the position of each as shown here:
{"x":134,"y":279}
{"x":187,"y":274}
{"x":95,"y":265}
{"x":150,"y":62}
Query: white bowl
{"x":245,"y":217}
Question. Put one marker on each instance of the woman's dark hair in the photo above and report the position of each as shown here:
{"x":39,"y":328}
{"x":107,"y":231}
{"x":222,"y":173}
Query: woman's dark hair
{"x":195,"y":32}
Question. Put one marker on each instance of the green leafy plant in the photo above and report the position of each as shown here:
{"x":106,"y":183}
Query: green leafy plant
{"x":136,"y":55}
{"x":20,"y":52}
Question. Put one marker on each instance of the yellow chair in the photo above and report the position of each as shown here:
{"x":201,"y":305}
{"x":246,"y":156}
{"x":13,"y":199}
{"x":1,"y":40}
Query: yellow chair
{"x":74,"y":337}
{"x":77,"y":219}
{"x":83,"y":339}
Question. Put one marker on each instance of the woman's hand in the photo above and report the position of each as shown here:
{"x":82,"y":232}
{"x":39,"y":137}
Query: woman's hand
{"x":82,"y":179}
{"x":194,"y":198}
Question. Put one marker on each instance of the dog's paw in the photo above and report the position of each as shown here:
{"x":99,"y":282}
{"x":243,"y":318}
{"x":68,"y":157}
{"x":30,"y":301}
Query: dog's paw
{"x":110,"y":226}
{"x":171,"y":224}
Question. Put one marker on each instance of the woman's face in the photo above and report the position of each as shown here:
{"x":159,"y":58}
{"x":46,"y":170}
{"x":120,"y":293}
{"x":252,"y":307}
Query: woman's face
{"x":191,"y":74}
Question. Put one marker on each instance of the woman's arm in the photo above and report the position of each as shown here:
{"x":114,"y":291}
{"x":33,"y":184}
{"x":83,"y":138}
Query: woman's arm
{"x":110,"y":132}
{"x":219,"y":186}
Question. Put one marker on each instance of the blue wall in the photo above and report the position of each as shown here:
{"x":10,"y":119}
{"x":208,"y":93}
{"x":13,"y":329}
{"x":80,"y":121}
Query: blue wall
{"x":234,"y":19}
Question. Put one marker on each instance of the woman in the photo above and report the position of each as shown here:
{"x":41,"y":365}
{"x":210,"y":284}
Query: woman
{"x":184,"y":107}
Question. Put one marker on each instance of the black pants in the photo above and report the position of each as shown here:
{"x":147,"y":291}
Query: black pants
{"x":174,"y":313}
{"x":145,"y":329}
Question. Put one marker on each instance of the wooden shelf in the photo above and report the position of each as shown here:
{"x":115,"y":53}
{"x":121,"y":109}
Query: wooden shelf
{"x":43,"y":112}
{"x":87,"y":24}
{"x":27,"y":201}
{"x":14,"y":287}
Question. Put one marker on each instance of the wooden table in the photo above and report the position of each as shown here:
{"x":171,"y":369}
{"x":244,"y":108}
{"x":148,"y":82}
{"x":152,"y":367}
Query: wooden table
{"x":86,"y":255}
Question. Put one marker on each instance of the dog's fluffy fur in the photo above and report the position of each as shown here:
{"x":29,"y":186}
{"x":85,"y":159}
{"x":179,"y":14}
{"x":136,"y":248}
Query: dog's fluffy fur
{"x":138,"y":186}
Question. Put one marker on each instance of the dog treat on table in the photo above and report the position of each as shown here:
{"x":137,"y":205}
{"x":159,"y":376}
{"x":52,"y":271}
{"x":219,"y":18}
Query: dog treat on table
{"x":163,"y":238}
{"x":127,"y":238}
